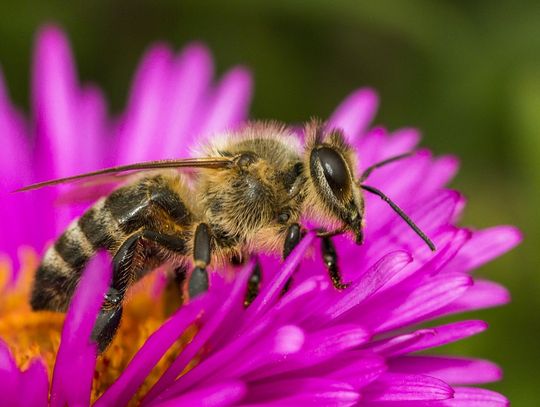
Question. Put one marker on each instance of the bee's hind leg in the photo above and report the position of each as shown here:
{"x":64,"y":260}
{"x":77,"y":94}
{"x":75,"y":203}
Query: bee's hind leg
{"x":128,"y":262}
{"x":127,"y":259}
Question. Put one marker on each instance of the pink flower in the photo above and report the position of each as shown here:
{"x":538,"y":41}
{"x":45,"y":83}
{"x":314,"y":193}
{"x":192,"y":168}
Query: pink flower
{"x":314,"y":345}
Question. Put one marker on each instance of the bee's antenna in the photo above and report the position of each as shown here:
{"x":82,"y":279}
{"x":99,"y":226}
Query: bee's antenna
{"x":402,"y":214}
{"x":367,"y":172}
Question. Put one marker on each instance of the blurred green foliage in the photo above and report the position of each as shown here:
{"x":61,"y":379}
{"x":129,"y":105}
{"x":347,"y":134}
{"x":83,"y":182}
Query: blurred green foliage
{"x":465,"y":72}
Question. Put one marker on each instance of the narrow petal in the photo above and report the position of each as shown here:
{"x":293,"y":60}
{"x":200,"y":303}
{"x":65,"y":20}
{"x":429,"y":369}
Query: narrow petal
{"x":358,"y":368}
{"x":190,"y":83}
{"x":404,"y":388}
{"x":471,"y":397}
{"x":430,"y":216}
{"x":452,"y":370}
{"x":372,"y":281}
{"x":483,"y":294}
{"x":229,"y":105}
{"x":272,"y":291}
{"x":370,"y":146}
{"x":219,"y":395}
{"x":308,"y":391}
{"x":411,"y":306}
{"x":9,"y":377}
{"x":121,"y":391}
{"x":76,"y":358}
{"x":217,"y":362}
{"x":428,"y":338}
{"x":56,"y":102}
{"x":18,"y":210}
{"x":318,"y":348}
{"x":92,"y":130}
{"x":206,"y":332}
{"x":401,"y":141}
{"x":55,"y":92}
{"x":34,"y":385}
{"x":140,"y":133}
{"x":278,"y":348}
{"x":355,"y":113}
{"x":442,"y":171}
{"x":484,"y":246}
{"x":394,"y":345}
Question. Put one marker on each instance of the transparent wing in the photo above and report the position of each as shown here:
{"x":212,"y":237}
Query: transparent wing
{"x":116,"y":174}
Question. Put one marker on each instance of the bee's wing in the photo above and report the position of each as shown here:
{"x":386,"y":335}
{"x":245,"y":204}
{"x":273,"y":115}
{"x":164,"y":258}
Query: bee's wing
{"x":114,"y":174}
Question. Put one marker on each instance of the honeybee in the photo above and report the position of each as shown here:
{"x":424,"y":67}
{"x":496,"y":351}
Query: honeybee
{"x":248,"y":194}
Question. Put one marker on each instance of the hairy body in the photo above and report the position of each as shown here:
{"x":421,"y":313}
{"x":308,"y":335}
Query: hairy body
{"x":250,"y":193}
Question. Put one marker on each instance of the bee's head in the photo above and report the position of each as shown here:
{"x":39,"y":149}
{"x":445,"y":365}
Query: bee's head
{"x":333,"y":196}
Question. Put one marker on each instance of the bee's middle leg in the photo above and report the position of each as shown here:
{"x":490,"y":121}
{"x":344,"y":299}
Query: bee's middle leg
{"x":202,"y":251}
{"x":292,"y":238}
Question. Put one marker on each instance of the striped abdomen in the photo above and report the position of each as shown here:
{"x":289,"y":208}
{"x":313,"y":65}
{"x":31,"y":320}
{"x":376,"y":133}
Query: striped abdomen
{"x":151,"y":204}
{"x":61,"y":267}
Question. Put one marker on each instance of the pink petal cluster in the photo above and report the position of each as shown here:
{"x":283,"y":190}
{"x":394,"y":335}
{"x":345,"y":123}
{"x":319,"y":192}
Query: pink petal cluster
{"x":312,"y":346}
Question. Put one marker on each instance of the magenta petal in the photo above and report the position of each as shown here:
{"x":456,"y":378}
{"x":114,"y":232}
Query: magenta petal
{"x":428,"y":338}
{"x":404,"y":387}
{"x":370,"y":282}
{"x":471,"y":397}
{"x":121,"y":391}
{"x":443,"y":169}
{"x":34,"y":385}
{"x":229,"y":104}
{"x":276,"y":349}
{"x":9,"y":377}
{"x":140,"y":132}
{"x":204,"y":334}
{"x":355,"y":114}
{"x":452,"y":370}
{"x":402,"y":141}
{"x":219,"y":395}
{"x":217,"y":362}
{"x":92,"y":128}
{"x":190,"y":82}
{"x":55,"y":104}
{"x":76,"y":358}
{"x":272,"y":291}
{"x":19,"y":219}
{"x":484,"y":246}
{"x":304,"y":391}
{"x":483,"y":294}
{"x":318,"y":348}
{"x":359,"y":369}
{"x":433,"y":295}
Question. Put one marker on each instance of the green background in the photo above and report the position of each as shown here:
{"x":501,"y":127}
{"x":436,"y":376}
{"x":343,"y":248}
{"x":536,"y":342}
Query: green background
{"x":467,"y":73}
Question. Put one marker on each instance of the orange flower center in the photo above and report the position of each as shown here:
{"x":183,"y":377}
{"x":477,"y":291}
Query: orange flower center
{"x":31,"y":334}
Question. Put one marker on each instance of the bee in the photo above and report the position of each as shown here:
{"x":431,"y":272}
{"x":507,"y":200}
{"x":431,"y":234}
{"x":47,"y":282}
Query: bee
{"x":248,"y":194}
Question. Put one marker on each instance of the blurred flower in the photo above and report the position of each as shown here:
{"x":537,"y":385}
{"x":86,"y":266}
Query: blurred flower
{"x":313,"y":345}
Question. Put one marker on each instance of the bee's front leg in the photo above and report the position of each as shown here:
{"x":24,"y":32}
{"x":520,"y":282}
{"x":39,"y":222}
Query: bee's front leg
{"x":202,"y":251}
{"x":330,"y":258}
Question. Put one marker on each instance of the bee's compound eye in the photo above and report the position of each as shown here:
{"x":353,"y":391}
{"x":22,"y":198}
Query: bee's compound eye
{"x":334,"y":168}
